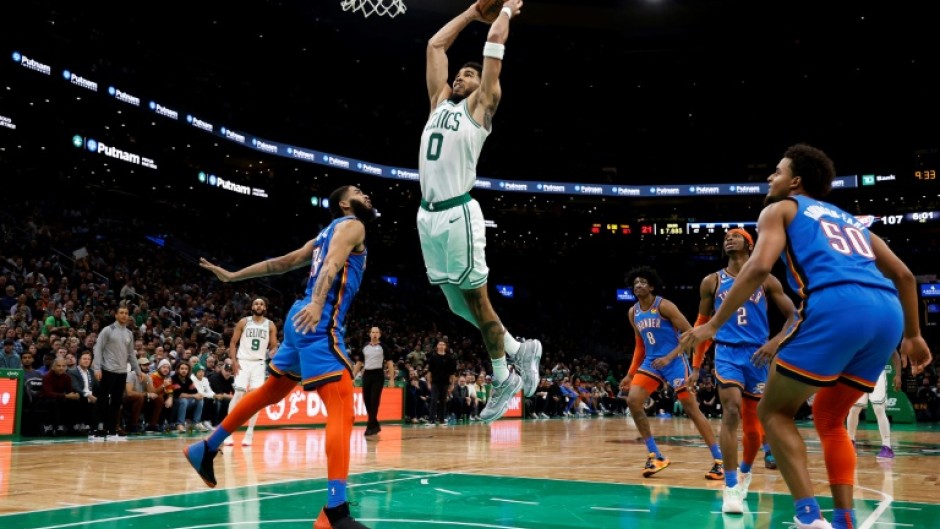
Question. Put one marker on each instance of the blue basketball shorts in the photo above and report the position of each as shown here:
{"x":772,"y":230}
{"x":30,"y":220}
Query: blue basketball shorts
{"x":313,"y":359}
{"x":733,"y":367}
{"x":846,"y":333}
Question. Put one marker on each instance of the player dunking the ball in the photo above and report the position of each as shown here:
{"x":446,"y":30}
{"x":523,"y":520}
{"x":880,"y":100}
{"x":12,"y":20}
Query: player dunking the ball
{"x":450,"y":223}
{"x":851,"y":320}
{"x":313,"y":352}
{"x":658,"y":359}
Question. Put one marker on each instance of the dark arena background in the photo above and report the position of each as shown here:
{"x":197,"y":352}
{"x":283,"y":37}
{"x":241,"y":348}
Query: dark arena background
{"x":136,"y":138}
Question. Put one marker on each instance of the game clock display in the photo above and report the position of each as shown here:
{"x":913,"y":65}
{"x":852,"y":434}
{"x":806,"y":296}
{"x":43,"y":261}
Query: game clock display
{"x":926,"y":175}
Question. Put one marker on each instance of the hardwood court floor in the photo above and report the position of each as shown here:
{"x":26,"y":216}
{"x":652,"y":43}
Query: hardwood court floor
{"x":514,"y":474}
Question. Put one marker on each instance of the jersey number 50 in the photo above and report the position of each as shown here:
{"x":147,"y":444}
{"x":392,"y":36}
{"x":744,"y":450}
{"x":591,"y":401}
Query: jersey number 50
{"x":845,"y":239}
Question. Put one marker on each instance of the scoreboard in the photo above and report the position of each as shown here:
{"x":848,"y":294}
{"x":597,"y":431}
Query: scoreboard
{"x":708,"y":228}
{"x":712,"y":228}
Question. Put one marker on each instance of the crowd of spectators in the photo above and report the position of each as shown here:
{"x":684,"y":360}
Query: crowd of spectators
{"x":63,"y":271}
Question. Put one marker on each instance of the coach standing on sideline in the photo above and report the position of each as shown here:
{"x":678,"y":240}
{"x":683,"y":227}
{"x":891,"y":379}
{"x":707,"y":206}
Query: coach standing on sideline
{"x":114,"y":350}
{"x":373,"y":379}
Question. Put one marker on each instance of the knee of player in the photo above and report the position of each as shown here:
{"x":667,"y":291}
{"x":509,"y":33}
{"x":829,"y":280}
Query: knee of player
{"x":636,"y":399}
{"x":764,"y":412}
{"x":731,"y":411}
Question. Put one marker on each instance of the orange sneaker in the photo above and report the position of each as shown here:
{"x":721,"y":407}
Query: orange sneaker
{"x":322,"y":522}
{"x":717,"y":472}
{"x":336,"y":518}
{"x":654,"y":464}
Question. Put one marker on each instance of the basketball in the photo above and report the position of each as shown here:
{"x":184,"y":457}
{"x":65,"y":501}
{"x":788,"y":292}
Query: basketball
{"x":489,"y":9}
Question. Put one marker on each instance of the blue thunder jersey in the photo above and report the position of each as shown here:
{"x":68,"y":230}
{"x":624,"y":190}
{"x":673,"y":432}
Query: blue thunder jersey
{"x":826,"y":246}
{"x":659,"y":336}
{"x":750,"y":325}
{"x":344,"y":286}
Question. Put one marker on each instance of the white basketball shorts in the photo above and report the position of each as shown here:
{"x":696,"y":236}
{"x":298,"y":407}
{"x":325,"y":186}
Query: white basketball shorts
{"x":453,"y":242}
{"x":250,"y":375}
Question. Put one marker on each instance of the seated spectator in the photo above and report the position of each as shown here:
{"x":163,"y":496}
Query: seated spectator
{"x":460,"y":401}
{"x":56,"y":323}
{"x":139,"y":396}
{"x":8,"y":358}
{"x":707,"y":396}
{"x":926,"y":401}
{"x":417,"y":358}
{"x":85,"y":384}
{"x":205,"y":389}
{"x":544,"y":404}
{"x":163,"y":387}
{"x":188,"y":399}
{"x":474,"y":389}
{"x":48,"y":358}
{"x":417,"y":399}
{"x":59,"y":399}
{"x":664,"y":400}
{"x":222,"y":383}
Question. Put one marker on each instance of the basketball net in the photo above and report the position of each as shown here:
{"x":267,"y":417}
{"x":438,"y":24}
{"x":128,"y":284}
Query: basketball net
{"x":389,"y":8}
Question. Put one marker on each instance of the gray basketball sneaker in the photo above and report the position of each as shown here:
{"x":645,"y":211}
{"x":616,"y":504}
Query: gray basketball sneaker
{"x":527,"y":360}
{"x":500,"y":398}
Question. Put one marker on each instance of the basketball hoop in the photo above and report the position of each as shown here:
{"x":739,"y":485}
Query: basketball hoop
{"x":389,"y":8}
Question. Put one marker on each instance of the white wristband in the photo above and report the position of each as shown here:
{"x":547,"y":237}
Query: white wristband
{"x":507,"y":10}
{"x":494,"y":50}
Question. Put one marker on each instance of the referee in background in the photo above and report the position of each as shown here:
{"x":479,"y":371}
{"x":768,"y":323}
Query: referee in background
{"x":373,"y":379}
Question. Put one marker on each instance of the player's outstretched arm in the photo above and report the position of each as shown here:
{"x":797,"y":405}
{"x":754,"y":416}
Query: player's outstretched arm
{"x":299,"y":258}
{"x":436,"y":74}
{"x":483,"y":102}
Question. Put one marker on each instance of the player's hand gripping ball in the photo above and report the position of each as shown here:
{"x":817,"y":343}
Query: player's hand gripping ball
{"x":489,"y":9}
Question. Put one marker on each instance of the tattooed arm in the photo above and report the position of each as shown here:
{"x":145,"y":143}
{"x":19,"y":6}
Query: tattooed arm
{"x":349,"y":236}
{"x":299,"y":258}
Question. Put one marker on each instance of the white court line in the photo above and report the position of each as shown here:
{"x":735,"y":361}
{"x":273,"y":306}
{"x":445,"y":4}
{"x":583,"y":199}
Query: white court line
{"x":619,"y":509}
{"x":746,"y":512}
{"x":272,"y":494}
{"x":381,"y":520}
{"x":515,"y":501}
{"x":455,"y":493}
{"x":896,"y":524}
{"x":432,"y":522}
{"x":210,"y":505}
{"x":377,"y":491}
{"x":882,"y":507}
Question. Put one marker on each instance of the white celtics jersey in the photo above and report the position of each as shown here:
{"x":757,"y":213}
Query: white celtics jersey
{"x":253,"y":344}
{"x":450,"y":146}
